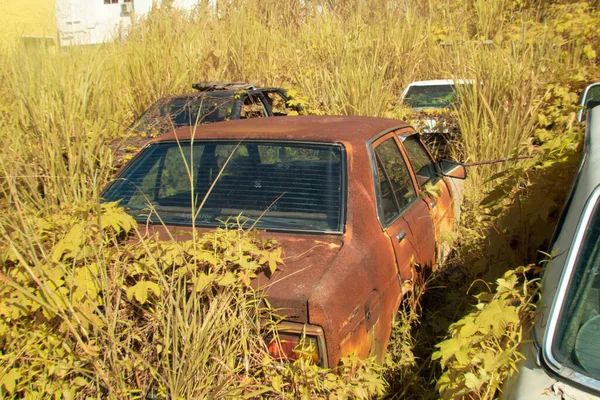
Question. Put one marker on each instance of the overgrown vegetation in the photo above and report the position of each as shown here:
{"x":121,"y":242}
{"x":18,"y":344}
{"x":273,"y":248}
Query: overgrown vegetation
{"x":483,"y":345}
{"x":87,"y":312}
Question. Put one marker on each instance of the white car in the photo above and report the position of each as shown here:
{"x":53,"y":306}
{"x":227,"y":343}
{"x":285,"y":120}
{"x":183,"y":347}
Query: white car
{"x":563,"y":356}
{"x":429,"y":95}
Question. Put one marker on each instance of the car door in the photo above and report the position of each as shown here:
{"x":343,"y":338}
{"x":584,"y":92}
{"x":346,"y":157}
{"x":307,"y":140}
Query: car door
{"x":435,"y":190}
{"x":400,"y":210}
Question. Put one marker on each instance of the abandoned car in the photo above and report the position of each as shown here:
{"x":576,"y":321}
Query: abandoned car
{"x":214,"y":102}
{"x":430,"y":103}
{"x":356,"y":203}
{"x":562,"y":358}
{"x":430,"y":95}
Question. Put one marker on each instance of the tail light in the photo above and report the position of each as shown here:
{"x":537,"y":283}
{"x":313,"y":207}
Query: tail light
{"x":294,"y":341}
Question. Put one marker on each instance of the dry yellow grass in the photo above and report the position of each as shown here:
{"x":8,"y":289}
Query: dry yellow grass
{"x":25,"y":18}
{"x":59,"y":110}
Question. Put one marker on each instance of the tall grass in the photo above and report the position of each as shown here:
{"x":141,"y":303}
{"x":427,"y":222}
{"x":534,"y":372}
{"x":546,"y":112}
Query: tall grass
{"x":498,"y":110}
{"x":55,"y":125}
{"x":60,"y":109}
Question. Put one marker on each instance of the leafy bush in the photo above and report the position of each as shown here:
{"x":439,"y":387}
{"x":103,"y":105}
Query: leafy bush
{"x":87,"y":310}
{"x":353,"y":378}
{"x":91,"y":307}
{"x":482,"y":346}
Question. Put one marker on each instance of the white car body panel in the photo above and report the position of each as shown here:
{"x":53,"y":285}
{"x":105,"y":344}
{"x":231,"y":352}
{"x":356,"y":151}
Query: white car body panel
{"x":541,"y":375}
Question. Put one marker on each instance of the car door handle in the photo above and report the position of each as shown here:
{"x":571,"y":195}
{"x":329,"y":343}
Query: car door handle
{"x":400,"y":236}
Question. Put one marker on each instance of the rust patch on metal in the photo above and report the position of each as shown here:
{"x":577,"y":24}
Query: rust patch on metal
{"x":350,"y":318}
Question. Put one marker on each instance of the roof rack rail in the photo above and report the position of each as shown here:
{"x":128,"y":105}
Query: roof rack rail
{"x":210,"y":86}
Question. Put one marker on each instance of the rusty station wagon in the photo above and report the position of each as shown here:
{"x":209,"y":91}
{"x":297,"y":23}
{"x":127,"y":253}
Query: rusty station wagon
{"x":355,"y":203}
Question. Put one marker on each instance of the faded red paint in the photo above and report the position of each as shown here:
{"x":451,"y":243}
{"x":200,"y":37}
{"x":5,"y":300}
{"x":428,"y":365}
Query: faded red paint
{"x":350,"y":284}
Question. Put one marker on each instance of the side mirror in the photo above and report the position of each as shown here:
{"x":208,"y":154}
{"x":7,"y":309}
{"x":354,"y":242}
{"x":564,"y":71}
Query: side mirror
{"x":453,"y":169}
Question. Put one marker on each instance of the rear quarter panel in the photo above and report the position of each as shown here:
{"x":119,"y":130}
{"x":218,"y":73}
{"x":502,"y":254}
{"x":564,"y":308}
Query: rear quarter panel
{"x":358,"y":295}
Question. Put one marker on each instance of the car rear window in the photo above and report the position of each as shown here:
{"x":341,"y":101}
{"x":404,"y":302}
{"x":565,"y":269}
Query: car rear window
{"x":577,"y":341}
{"x":176,"y":112}
{"x":275,"y":185}
{"x":436,"y":96}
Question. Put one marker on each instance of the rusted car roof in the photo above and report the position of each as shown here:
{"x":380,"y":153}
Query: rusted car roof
{"x":355,"y":130}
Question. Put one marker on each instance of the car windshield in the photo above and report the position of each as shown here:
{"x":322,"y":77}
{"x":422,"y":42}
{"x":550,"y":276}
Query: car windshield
{"x":592,"y":98}
{"x":577,"y":342}
{"x":272,"y":185}
{"x":175,"y":112}
{"x":434,"y":96}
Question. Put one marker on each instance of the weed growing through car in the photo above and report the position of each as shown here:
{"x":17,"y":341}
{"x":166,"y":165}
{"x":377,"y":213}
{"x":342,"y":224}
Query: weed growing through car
{"x":88,"y":311}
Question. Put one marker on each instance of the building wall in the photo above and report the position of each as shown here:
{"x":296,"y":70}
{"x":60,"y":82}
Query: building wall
{"x":31,"y":18}
{"x":88,"y":21}
{"x":69,"y":22}
{"x":93,"y":22}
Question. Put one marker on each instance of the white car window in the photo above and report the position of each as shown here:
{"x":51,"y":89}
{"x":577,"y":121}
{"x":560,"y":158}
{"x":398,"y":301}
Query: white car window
{"x":577,"y":342}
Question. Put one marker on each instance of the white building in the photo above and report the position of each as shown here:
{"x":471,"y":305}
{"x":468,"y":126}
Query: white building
{"x":97,"y":21}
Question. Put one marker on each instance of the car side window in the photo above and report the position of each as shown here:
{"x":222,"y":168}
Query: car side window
{"x":395,"y":184}
{"x":253,"y":107}
{"x":277,"y":103}
{"x":387,"y":202}
{"x":422,"y":163}
{"x":592,"y":99}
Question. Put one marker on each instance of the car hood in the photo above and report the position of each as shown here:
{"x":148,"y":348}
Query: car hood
{"x":306,"y":258}
{"x":433,"y":120}
{"x":430,"y":125}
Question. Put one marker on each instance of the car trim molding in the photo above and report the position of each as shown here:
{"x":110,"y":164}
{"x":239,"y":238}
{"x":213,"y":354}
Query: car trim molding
{"x":558,"y":304}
